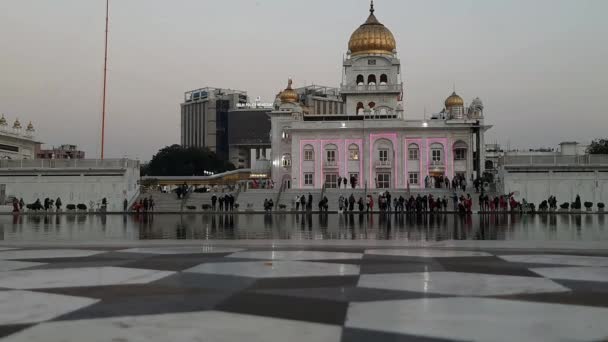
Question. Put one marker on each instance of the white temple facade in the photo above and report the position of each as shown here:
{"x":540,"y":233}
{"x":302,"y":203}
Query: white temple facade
{"x":374,"y":141}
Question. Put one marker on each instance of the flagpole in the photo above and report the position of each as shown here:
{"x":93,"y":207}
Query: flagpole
{"x":105,"y":71}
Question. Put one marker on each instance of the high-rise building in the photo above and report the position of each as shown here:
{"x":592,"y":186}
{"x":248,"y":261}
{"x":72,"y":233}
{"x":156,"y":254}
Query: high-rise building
{"x":204,"y":117}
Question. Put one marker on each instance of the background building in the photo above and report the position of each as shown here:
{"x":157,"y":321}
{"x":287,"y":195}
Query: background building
{"x":248,"y":136}
{"x":16,"y":142}
{"x":204,"y":116}
{"x":65,"y":151}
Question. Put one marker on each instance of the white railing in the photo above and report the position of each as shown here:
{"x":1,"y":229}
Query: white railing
{"x":383,"y":163}
{"x":330,"y":163}
{"x":68,"y":164}
{"x":588,"y":159}
{"x":372,"y":87}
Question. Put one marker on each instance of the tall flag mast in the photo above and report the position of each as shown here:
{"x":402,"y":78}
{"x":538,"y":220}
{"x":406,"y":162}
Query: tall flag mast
{"x":105,"y":71}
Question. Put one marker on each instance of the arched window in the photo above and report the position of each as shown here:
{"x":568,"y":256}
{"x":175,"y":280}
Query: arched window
{"x":413,"y":152}
{"x":360,"y":80}
{"x":286,"y":160}
{"x":359,"y":108}
{"x":309,"y":153}
{"x":331,"y":154}
{"x":371,"y":79}
{"x":353,"y":152}
{"x":383,"y":79}
{"x":436,"y":152}
{"x":460,"y":150}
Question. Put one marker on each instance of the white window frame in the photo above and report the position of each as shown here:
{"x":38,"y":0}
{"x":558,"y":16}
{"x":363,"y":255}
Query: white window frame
{"x":309,"y":178}
{"x":411,"y":151}
{"x":436,"y":155}
{"x":384,"y":183}
{"x":461,"y":150}
{"x":331,"y":180}
{"x":414,"y":178}
{"x":353,"y":153}
{"x":381,"y":157}
{"x":309,"y":155}
{"x":330,"y":156}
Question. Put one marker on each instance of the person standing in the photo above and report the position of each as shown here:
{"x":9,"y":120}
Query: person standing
{"x":58,"y":204}
{"x":221,"y":201}
{"x":21,"y":204}
{"x":146,"y":204}
{"x":297,"y":202}
{"x":309,"y":204}
{"x":303,"y":202}
{"x":213,"y":201}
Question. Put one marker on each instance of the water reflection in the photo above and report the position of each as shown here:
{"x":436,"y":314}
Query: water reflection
{"x":303,"y":226}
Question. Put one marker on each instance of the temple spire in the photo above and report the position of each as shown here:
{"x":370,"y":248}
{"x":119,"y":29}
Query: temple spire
{"x":371,"y":7}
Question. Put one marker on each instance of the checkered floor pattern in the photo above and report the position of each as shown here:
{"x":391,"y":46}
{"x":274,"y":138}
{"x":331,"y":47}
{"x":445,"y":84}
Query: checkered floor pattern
{"x":217,"y":293}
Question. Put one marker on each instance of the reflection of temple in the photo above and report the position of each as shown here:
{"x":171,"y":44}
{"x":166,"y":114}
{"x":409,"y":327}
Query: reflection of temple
{"x":372,"y":139}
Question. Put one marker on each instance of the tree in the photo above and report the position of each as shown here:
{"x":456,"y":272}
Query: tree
{"x":598,"y":146}
{"x":176,"y":160}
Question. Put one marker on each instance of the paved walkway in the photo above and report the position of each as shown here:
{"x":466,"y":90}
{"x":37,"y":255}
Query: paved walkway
{"x":274,"y":291}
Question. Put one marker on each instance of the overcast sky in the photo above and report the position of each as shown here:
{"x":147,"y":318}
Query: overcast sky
{"x":540,"y":66}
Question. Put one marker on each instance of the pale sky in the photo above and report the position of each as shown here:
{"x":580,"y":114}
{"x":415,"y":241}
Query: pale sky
{"x":540,"y":66}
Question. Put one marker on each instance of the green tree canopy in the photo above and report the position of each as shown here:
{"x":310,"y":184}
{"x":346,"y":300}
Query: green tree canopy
{"x":176,"y":160}
{"x":598,"y":146}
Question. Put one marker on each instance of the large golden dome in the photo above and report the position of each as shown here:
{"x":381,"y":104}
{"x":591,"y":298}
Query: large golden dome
{"x":288,"y":95}
{"x":454,"y":101}
{"x":372,"y":37}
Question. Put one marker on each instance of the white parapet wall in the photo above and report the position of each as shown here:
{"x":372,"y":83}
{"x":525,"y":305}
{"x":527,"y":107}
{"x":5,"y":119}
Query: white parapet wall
{"x":536,"y":178}
{"x":76,"y":181}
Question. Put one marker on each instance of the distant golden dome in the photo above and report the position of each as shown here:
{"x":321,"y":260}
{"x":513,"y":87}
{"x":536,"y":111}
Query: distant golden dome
{"x":30,"y":127}
{"x":3,"y":121}
{"x":17,"y":124}
{"x":288,"y":95}
{"x":454,"y":101}
{"x":372,"y":37}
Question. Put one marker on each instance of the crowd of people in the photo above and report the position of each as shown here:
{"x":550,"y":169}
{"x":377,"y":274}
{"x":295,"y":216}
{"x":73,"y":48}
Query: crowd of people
{"x":226,"y":202}
{"x":143,"y":205}
{"x":345,"y":181}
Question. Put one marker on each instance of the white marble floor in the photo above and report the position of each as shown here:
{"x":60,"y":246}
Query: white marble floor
{"x":482,"y":319}
{"x":276,"y":269}
{"x":75,"y":277}
{"x":295,"y":255}
{"x":182,"y":250}
{"x":9,"y":265}
{"x":426,"y":253}
{"x":461,"y":284}
{"x":558,"y":259}
{"x":18,"y":307}
{"x":207,"y":326}
{"x":574,"y":273}
{"x":25,"y":254}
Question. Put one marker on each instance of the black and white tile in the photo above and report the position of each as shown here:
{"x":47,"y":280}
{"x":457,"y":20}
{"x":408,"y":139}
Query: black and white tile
{"x":264,"y":293}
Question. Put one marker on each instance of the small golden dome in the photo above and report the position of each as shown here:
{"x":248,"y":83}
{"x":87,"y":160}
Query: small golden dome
{"x":288,"y":95}
{"x":372,"y":37}
{"x":17,"y":124}
{"x":30,"y":127}
{"x":454,"y":101}
{"x":3,"y":121}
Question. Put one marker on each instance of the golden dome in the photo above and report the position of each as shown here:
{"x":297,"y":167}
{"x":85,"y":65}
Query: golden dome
{"x":372,"y":37}
{"x":288,"y":95}
{"x":17,"y":124}
{"x":454,"y":101}
{"x":3,"y":121}
{"x":30,"y":127}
